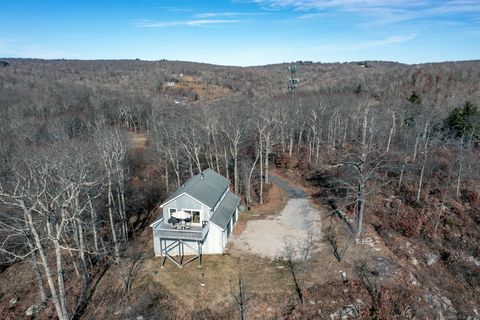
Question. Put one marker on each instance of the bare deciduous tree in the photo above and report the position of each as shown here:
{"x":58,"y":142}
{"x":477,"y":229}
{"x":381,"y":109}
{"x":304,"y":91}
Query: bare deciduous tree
{"x":239,"y":294}
{"x":112,"y":149}
{"x":298,"y":257}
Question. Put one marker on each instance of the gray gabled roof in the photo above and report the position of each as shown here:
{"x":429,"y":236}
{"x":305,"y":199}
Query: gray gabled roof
{"x":225,"y":210}
{"x":206,"y":187}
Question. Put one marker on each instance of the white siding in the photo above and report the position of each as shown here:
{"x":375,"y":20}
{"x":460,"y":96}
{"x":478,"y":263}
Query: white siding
{"x":224,"y":238}
{"x":213,"y":243}
{"x":188,"y":203}
{"x":205,"y":213}
{"x":156,"y":246}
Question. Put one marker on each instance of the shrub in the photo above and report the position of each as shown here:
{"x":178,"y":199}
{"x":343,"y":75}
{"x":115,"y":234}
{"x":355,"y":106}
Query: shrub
{"x":463,"y":121}
{"x":415,"y":98}
{"x":449,"y":221}
{"x":408,"y":223}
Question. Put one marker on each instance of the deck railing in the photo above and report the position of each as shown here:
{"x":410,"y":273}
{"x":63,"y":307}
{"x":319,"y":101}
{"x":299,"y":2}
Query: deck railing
{"x":165,"y":230}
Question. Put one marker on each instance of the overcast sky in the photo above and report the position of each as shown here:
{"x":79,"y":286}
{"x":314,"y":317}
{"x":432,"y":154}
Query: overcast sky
{"x":242,"y":32}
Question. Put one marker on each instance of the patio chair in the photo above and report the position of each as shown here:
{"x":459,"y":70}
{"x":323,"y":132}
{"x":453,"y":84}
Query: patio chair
{"x":188,"y":223}
{"x":182,"y":224}
{"x":174,"y":222}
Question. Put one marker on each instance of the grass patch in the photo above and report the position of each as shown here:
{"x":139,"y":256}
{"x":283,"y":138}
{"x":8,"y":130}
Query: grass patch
{"x":218,"y":275}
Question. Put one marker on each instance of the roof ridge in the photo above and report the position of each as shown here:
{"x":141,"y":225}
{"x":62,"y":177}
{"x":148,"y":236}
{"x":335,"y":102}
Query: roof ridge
{"x":208,"y":189}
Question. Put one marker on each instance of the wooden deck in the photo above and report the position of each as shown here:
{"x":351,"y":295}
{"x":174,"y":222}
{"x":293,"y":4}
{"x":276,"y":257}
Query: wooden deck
{"x":166,"y":231}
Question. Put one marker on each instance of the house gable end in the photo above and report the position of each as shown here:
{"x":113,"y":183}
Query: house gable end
{"x":208,"y":187}
{"x":181,"y":195}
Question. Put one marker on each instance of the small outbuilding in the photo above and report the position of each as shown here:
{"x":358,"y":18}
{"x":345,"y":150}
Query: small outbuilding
{"x":197,"y":219}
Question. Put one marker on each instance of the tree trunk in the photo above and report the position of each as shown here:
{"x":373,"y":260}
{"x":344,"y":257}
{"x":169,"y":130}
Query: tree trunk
{"x":261,"y":169}
{"x":310,"y":146}
{"x":344,"y":139}
{"x":334,"y":129}
{"x":197,"y":160}
{"x":61,"y":284}
{"x":360,"y":207}
{"x":122,"y":218}
{"x":166,"y":177}
{"x":177,"y":172}
{"x":217,"y":163}
{"x":440,"y":211}
{"x":241,"y":294}
{"x":38,"y":275}
{"x":173,"y":158}
{"x":56,"y":302}
{"x":121,"y":183}
{"x":93,"y":218}
{"x":390,"y":135}
{"x":290,"y":148}
{"x":422,"y":171}
{"x":235,"y":170}
{"x":209,"y":159}
{"x":296,"y":282}
{"x":460,"y":169}
{"x":248,"y":195}
{"x":191,"y":166}
{"x":415,"y":148}
{"x":361,"y":182}
{"x":267,"y":152}
{"x":300,"y":136}
{"x":112,"y":224}
{"x":226,"y":163}
{"x":402,"y":171}
{"x":46,"y":267}
{"x":329,"y":131}
{"x":82,"y":253}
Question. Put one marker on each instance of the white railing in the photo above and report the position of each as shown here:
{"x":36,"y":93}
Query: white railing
{"x":167,"y":231}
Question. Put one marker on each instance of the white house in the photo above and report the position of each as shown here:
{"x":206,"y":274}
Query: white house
{"x":210,"y":212}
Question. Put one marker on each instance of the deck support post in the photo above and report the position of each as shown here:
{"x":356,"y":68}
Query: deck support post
{"x":170,"y":238}
{"x":161,"y":253}
{"x":180,"y":255}
{"x":179,"y":261}
{"x":199,"y":246}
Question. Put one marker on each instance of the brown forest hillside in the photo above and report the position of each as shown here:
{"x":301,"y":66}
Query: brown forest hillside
{"x":88,"y":148}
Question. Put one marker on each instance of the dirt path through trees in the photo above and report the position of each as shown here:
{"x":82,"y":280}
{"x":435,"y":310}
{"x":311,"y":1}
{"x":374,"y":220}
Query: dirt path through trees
{"x":291,"y":227}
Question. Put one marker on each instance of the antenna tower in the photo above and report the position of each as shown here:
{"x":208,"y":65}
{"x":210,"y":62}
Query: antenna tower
{"x":292,"y":81}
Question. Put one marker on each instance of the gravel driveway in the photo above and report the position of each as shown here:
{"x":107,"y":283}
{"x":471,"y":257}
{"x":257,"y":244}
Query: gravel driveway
{"x":269,"y":237}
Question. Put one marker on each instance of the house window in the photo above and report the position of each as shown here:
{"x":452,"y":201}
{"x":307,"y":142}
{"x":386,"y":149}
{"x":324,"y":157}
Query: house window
{"x":195,"y":215}
{"x":171,"y":211}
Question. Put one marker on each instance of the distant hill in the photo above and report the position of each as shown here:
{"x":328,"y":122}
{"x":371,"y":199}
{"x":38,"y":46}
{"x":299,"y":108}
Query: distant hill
{"x":441,"y":84}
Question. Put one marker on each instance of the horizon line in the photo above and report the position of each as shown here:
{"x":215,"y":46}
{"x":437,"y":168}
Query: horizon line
{"x":234,"y":65}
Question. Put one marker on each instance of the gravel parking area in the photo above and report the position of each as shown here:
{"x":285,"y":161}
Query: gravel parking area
{"x":269,"y":237}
